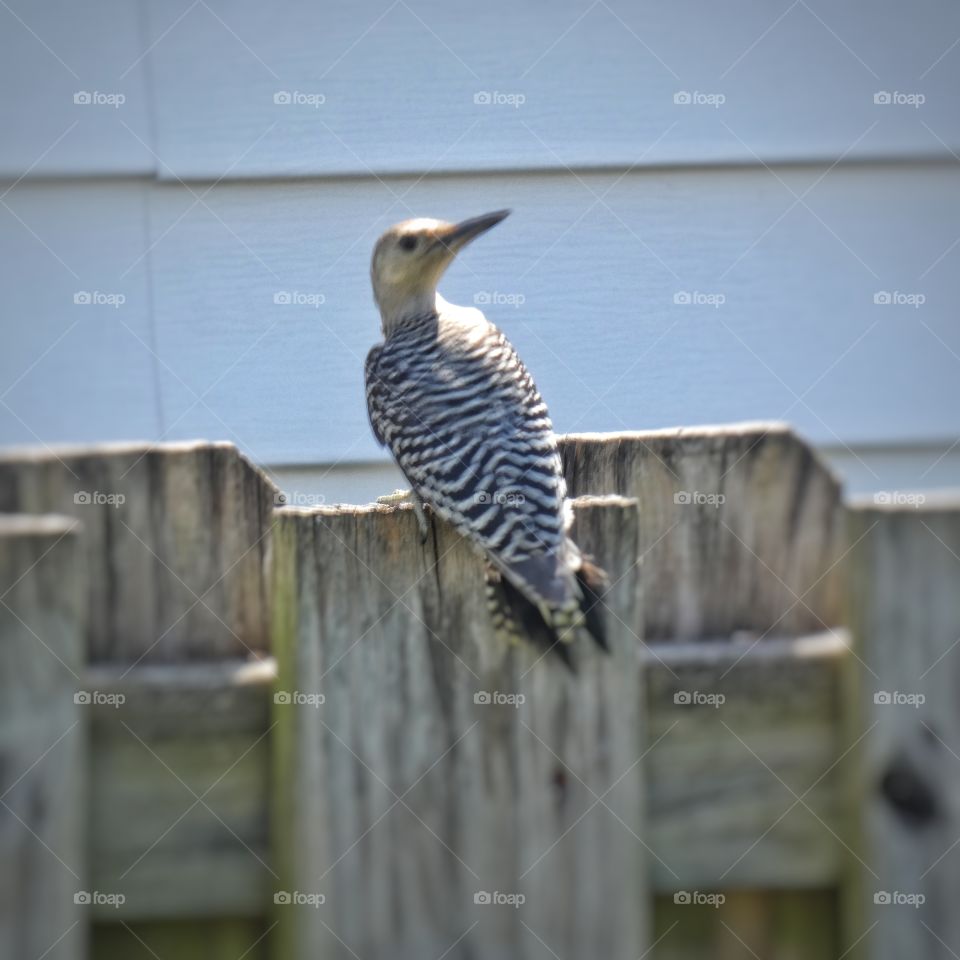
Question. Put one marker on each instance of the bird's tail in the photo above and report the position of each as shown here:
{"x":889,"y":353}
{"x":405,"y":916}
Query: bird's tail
{"x":594,"y":585}
{"x":517,"y":618}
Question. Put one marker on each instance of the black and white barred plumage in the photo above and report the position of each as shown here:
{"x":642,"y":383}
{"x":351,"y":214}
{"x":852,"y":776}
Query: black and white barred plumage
{"x":450,"y":398}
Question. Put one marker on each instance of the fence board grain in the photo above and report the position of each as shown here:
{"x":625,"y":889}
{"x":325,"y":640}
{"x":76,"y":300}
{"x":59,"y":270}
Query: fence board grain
{"x":393,"y":760}
{"x":698,"y":779}
{"x":175,"y":540}
{"x":723,"y":782}
{"x":905,"y":605}
{"x":469,"y":798}
{"x":756,"y":554}
{"x":179,"y":789}
{"x":239,"y":939}
{"x":747,"y":924}
{"x":42,"y":740}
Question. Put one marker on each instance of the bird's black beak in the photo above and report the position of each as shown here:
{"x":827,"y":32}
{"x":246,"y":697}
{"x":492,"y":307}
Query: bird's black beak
{"x":458,"y":235}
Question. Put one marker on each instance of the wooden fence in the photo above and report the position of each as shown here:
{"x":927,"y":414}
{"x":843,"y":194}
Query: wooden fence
{"x":235,"y":729}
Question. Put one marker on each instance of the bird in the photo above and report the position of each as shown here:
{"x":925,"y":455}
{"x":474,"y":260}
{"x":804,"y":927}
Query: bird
{"x":450,"y":398}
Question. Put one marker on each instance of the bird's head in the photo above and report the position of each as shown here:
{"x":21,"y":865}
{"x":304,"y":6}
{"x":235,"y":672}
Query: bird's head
{"x":410,"y":258}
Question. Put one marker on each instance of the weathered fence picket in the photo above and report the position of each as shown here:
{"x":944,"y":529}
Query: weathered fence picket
{"x":44,"y":895}
{"x":468,"y":797}
{"x":283,"y":708}
{"x":905,"y":605}
{"x":740,"y":527}
{"x":175,"y":539}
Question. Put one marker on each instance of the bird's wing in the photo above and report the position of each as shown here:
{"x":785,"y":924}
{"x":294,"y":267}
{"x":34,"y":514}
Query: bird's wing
{"x":371,"y":377}
{"x":464,"y":420}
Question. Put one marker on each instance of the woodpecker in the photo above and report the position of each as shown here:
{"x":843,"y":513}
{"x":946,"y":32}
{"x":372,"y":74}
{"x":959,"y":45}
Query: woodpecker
{"x":450,"y":398}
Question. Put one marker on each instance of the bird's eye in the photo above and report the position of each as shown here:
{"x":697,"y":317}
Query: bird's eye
{"x":408,"y":242}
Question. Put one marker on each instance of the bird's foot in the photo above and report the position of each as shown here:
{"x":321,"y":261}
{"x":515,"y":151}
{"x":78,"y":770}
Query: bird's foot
{"x":409,"y":496}
{"x":398,"y":496}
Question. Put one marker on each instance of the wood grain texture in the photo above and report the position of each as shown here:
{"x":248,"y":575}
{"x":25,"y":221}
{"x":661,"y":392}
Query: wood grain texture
{"x":772,"y":924}
{"x":183,"y":939}
{"x":43,"y":756}
{"x":725,"y":751}
{"x":905,"y":608}
{"x":743,"y":776}
{"x":469,"y":798}
{"x":179,"y":790}
{"x":714,"y":815}
{"x":399,"y":84}
{"x":175,"y":539}
{"x":759,"y":558}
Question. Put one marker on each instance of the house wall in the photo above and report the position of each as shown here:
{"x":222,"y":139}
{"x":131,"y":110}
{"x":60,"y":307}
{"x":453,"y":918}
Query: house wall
{"x":783,"y":213}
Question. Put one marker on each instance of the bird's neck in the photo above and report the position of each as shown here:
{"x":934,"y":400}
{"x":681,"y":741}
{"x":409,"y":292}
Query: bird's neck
{"x":421,"y":311}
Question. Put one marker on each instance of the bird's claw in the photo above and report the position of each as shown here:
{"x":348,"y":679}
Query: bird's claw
{"x":398,"y":496}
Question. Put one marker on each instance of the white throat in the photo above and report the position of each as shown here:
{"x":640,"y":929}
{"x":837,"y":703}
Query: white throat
{"x":422,"y":304}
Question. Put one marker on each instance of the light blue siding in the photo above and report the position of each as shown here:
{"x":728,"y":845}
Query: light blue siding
{"x":52,"y":51}
{"x":597,"y":83}
{"x":75,"y":371}
{"x":795,"y":202}
{"x":798,"y":337}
